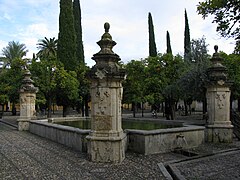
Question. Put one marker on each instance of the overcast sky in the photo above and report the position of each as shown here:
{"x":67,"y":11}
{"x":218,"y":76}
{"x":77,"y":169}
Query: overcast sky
{"x":27,"y":21}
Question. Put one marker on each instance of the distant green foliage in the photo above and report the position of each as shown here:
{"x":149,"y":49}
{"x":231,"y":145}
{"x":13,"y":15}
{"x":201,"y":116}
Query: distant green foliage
{"x":47,"y":48}
{"x":78,"y":30}
{"x":226,"y":15}
{"x":134,"y":87}
{"x":192,"y":84}
{"x":152,"y":44}
{"x":169,"y":48}
{"x":67,"y":36}
{"x":11,"y":80}
{"x":187,"y":40}
{"x":232,"y":62}
{"x":67,"y":90}
{"x":14,"y":50}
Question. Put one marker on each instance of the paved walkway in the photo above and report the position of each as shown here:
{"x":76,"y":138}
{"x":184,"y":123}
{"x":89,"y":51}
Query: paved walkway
{"x":27,"y":156}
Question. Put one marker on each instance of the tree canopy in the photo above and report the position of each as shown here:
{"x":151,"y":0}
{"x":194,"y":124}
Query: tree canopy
{"x":14,"y":50}
{"x":226,"y":15}
{"x":152,"y":43}
{"x":67,"y":36}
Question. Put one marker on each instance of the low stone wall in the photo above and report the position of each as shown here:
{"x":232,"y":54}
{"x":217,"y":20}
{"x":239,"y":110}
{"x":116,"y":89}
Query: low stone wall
{"x":165,"y":140}
{"x":68,"y":118}
{"x":139,"y":141}
{"x":72,"y":137}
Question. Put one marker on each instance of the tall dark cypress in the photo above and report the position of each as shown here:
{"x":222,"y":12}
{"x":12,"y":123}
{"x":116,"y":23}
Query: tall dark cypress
{"x":152,"y":44}
{"x":67,"y":36}
{"x":187,"y":43}
{"x":169,"y":49}
{"x":78,"y":29}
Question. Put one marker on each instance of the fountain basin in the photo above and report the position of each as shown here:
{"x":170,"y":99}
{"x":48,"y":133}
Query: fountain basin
{"x":165,"y":140}
{"x":139,"y":141}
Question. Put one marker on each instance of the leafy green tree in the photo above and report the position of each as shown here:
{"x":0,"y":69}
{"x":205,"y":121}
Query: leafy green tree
{"x":162,"y":73}
{"x":67,"y":90}
{"x":44,"y":76}
{"x":187,"y":40}
{"x":78,"y":30}
{"x":81,"y":70}
{"x":232,"y":62}
{"x":192,"y":83}
{"x":172,"y":70}
{"x":67,"y":37}
{"x":152,"y":44}
{"x":84,"y":86}
{"x":169,"y":48}
{"x":134,"y":89}
{"x":154,"y":81}
{"x":4,"y":87}
{"x":47,"y":48}
{"x":226,"y":15}
{"x":11,"y":81}
{"x":199,"y":52}
{"x":13,"y":75}
{"x":14,"y":50}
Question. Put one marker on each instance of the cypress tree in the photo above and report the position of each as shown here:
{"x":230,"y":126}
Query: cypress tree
{"x":78,"y":30}
{"x":152,"y":44}
{"x":187,"y":43}
{"x":67,"y":36}
{"x":169,"y":49}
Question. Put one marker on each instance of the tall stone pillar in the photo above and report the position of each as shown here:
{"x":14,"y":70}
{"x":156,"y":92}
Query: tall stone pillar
{"x":27,"y":102}
{"x":219,"y":127}
{"x":106,"y":140}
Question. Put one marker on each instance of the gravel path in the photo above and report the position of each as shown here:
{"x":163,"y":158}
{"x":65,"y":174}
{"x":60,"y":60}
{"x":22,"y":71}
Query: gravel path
{"x":26,"y":156}
{"x":220,"y":166}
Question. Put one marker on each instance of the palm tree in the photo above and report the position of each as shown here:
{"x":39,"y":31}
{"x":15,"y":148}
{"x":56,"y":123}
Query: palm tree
{"x":47,"y":47}
{"x":12,"y":51}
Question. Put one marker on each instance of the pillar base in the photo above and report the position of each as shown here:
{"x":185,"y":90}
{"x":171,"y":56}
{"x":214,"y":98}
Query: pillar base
{"x":219,"y":133}
{"x":23,"y":124}
{"x":107,"y":149}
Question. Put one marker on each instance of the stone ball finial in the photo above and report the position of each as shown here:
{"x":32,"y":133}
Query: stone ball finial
{"x":216,"y":48}
{"x":106,"y":27}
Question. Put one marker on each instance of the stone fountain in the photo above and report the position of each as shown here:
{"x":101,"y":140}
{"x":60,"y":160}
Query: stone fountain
{"x":219,"y":127}
{"x":106,"y":142}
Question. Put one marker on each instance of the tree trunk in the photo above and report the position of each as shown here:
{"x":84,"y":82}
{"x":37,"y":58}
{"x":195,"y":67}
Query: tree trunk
{"x":49,"y":106}
{"x":185,"y":108}
{"x":173,"y":114}
{"x":205,"y":108}
{"x":134,"y":109}
{"x":65,"y":110}
{"x":86,"y":106}
{"x":142,"y":110}
{"x":167,"y":109}
{"x":14,"y":112}
{"x":82,"y":109}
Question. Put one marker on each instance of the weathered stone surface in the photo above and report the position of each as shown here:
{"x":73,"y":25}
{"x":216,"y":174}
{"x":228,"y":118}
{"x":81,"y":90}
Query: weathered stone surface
{"x":219,"y":128}
{"x":27,"y":102}
{"x":106,"y":140}
{"x":165,"y":140}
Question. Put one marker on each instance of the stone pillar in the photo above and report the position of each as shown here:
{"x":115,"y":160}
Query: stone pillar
{"x":27,"y":102}
{"x":106,"y":140}
{"x":219,"y":127}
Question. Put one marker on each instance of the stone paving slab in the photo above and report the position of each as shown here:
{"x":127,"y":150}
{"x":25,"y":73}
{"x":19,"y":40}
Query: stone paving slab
{"x":27,"y":156}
